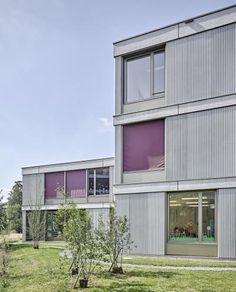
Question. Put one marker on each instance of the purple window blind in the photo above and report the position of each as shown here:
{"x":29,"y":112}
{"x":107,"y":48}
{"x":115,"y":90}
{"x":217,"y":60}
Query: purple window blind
{"x":52,"y":182}
{"x":143,"y":145}
{"x":76,"y":183}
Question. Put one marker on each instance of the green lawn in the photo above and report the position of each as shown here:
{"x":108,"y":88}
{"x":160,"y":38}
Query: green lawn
{"x":43,"y":270}
{"x":178,"y":262}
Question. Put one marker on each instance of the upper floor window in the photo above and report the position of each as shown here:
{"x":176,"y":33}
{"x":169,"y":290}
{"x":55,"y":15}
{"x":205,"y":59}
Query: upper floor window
{"x":145,"y":77}
{"x":76,"y":183}
{"x":53,"y":182}
{"x":143,"y":145}
{"x":98,"y":180}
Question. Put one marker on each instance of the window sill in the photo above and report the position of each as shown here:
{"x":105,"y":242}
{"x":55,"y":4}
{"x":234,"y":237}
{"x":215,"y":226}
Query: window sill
{"x":192,"y":242}
{"x":143,"y":105}
{"x":145,"y":170}
{"x":156,"y":96}
{"x":103,"y":195}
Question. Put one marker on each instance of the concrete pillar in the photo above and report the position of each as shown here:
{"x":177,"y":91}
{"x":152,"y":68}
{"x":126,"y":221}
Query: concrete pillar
{"x":23,"y":225}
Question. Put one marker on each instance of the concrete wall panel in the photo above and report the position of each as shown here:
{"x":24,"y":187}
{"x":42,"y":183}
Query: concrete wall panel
{"x":201,"y":66}
{"x":146,"y":214}
{"x":227,"y":223}
{"x":33,"y":189}
{"x":201,"y":145}
{"x":99,"y":213}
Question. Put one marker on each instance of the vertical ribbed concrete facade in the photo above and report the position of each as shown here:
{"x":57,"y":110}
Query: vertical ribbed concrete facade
{"x":187,"y":206}
{"x":174,"y":172}
{"x":89,"y":184}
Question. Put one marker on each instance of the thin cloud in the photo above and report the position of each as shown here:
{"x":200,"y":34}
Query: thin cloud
{"x":105,"y":125}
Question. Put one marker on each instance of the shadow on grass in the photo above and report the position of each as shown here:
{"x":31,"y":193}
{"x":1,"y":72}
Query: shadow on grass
{"x":127,"y":286}
{"x":127,"y":281}
{"x":14,"y":246}
{"x":140,"y":274}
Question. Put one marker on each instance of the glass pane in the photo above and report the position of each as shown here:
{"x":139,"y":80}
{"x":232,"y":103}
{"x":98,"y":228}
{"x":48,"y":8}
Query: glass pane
{"x":53,"y":183}
{"x":138,"y":79}
{"x":208,"y":216}
{"x":159,"y":72}
{"x":53,"y":231}
{"x":183,"y":216}
{"x":76,"y":183}
{"x":91,"y":182}
{"x":102,"y":181}
{"x":143,"y":146}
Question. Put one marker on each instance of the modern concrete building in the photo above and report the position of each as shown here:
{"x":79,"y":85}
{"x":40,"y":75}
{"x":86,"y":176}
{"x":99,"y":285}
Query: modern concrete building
{"x":87,"y":183}
{"x":175,"y":143}
{"x":175,"y":136}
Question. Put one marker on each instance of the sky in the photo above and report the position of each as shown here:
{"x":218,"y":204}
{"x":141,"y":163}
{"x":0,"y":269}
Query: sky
{"x":57,"y":74}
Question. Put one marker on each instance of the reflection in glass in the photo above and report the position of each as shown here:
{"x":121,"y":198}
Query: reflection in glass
{"x":91,"y":182}
{"x":183,"y":216}
{"x":208,"y":217}
{"x":138,"y":79}
{"x":159,"y":72}
{"x":102,"y":181}
{"x":98,"y":181}
{"x":53,"y":231}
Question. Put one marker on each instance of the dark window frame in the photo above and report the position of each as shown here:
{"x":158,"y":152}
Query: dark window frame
{"x":200,"y":195}
{"x":95,"y":181}
{"x":150,"y":54}
{"x":158,"y":168}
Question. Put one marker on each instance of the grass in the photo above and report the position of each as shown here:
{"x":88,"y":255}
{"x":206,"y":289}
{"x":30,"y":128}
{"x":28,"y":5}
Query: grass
{"x":177,"y":262}
{"x":43,"y":270}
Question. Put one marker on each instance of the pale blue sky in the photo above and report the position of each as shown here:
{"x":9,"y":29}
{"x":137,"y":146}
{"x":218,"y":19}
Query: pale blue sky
{"x":57,"y":74}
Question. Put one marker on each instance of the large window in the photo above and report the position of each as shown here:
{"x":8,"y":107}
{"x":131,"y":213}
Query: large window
{"x":192,"y":216}
{"x":98,"y":180}
{"x":143,"y":145}
{"x":53,"y":231}
{"x":145,"y":77}
{"x":53,"y":182}
{"x":76,"y":183}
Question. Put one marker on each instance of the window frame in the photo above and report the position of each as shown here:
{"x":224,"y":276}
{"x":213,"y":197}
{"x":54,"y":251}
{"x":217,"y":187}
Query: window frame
{"x":151,"y":54}
{"x":95,"y":182}
{"x":200,"y":219}
{"x":57,"y":196}
{"x":66,"y":183}
{"x":161,"y":168}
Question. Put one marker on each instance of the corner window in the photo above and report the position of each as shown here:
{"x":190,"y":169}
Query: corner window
{"x":98,"y":181}
{"x":143,"y":145}
{"x":192,"y":216}
{"x":145,"y":77}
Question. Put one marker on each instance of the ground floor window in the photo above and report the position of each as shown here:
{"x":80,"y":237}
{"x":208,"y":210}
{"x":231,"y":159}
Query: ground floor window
{"x":192,"y":216}
{"x":50,"y":229}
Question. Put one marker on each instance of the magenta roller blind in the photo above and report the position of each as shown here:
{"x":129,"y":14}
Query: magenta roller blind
{"x":143,"y":145}
{"x":52,"y":182}
{"x":76,"y":183}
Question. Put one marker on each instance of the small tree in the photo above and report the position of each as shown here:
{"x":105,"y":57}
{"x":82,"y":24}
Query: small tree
{"x":4,"y":261}
{"x":37,"y":222}
{"x":115,"y":240}
{"x":83,"y":241}
{"x":65,"y":210}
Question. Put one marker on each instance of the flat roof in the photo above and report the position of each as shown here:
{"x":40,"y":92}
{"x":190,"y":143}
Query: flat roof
{"x":176,"y":23}
{"x":72,"y":165}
